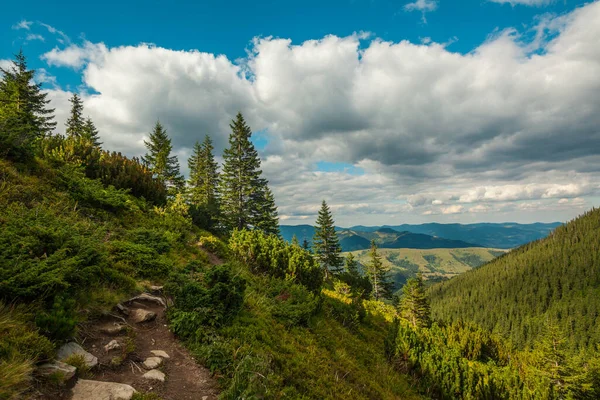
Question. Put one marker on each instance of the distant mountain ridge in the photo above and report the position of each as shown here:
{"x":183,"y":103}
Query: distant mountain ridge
{"x":493,"y":235}
{"x":352,"y":240}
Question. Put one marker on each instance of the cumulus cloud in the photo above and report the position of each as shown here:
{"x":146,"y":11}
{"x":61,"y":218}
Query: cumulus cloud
{"x":513,"y":121}
{"x":75,"y":56}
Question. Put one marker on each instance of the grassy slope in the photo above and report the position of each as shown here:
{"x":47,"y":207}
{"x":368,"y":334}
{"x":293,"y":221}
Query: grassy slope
{"x":434,"y":264}
{"x":322,"y":360}
{"x":77,"y":237}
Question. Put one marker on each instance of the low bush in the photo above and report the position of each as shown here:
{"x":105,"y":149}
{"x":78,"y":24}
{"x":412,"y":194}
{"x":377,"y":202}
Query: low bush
{"x":269,"y":254}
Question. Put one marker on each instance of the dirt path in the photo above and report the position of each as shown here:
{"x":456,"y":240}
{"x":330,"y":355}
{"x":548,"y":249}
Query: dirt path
{"x":185,"y":379}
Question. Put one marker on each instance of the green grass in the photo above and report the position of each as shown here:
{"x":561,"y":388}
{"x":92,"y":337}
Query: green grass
{"x":260,"y":354}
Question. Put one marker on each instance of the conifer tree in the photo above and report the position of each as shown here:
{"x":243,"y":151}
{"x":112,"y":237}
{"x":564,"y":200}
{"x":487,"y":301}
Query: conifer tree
{"x":75,"y":124}
{"x":159,"y":160}
{"x":351,"y":265}
{"x":265,"y":216}
{"x":326,"y":244}
{"x":295,"y":241}
{"x":414,"y":304}
{"x":306,"y":245}
{"x":24,"y":116}
{"x":379,"y":275}
{"x":90,"y":133}
{"x":246,"y":200}
{"x":204,"y":176}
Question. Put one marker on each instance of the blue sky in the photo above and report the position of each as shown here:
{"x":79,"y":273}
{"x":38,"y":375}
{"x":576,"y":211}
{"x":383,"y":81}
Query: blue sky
{"x":393,"y":111}
{"x":227,"y":27}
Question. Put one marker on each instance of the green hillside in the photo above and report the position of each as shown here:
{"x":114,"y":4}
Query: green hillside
{"x":83,"y":229}
{"x":556,"y":279}
{"x":433,"y":264}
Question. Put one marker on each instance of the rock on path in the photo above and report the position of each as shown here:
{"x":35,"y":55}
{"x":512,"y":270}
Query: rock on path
{"x":155,"y":375}
{"x":139,"y":315}
{"x":160,"y":353}
{"x":96,"y":390}
{"x":57,"y":369}
{"x":152,"y":362}
{"x":73,"y":348}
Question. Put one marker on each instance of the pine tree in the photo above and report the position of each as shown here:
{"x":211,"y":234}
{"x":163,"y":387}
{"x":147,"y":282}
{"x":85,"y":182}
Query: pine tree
{"x":24,"y":116}
{"x":553,"y":362}
{"x":414,"y":304}
{"x":204,"y":176}
{"x":379,"y":275}
{"x":76,"y":124}
{"x":90,"y":133}
{"x":246,"y":200}
{"x":351,"y":265}
{"x":265,"y":216}
{"x":326,"y":244}
{"x":295,"y":241}
{"x":159,"y":160}
{"x":306,"y":245}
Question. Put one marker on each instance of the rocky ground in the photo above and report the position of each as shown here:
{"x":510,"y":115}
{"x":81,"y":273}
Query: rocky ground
{"x":127,"y":351}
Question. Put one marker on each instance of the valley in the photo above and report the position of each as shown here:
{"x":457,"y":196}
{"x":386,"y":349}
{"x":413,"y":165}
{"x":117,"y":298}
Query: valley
{"x":434,"y":264}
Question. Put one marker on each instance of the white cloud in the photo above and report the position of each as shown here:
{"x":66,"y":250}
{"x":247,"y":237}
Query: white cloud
{"x":512,"y":121}
{"x":33,"y":36}
{"x":5,"y":64}
{"x":424,"y":6}
{"x":23,"y":24}
{"x":76,"y":56}
{"x":62,"y":37}
{"x":535,"y":3}
{"x":454,"y":209}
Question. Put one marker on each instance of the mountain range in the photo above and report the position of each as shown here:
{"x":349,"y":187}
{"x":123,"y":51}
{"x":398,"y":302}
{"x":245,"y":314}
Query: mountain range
{"x":432,"y":235}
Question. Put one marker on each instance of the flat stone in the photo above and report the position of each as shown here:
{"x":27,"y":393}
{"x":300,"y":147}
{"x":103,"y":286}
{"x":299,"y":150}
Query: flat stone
{"x":96,"y":390}
{"x":139,"y":315}
{"x":156,"y":289}
{"x":154,"y":375}
{"x":122,"y":309}
{"x":152,"y":362}
{"x":160,"y":353}
{"x":57,"y":369}
{"x":72,"y":348}
{"x":112,"y":345}
{"x":113,"y":329}
{"x":150,"y":298}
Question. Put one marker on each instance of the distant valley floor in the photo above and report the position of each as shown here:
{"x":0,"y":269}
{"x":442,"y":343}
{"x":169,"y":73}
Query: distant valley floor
{"x":434,"y":264}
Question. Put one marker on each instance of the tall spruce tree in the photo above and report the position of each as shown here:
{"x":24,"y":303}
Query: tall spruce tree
{"x":204,"y":176}
{"x":90,"y":133}
{"x":76,"y":125}
{"x":246,"y":201}
{"x":414,"y":304}
{"x":159,"y":160}
{"x":379,"y":275}
{"x":326,"y":243}
{"x":24,"y":113}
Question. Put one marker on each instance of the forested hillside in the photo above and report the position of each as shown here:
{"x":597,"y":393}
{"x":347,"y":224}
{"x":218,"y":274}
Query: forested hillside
{"x":553,"y":280}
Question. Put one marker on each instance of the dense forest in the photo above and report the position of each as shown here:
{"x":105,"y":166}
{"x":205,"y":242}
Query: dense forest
{"x":83,"y":228}
{"x":555,"y":280}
